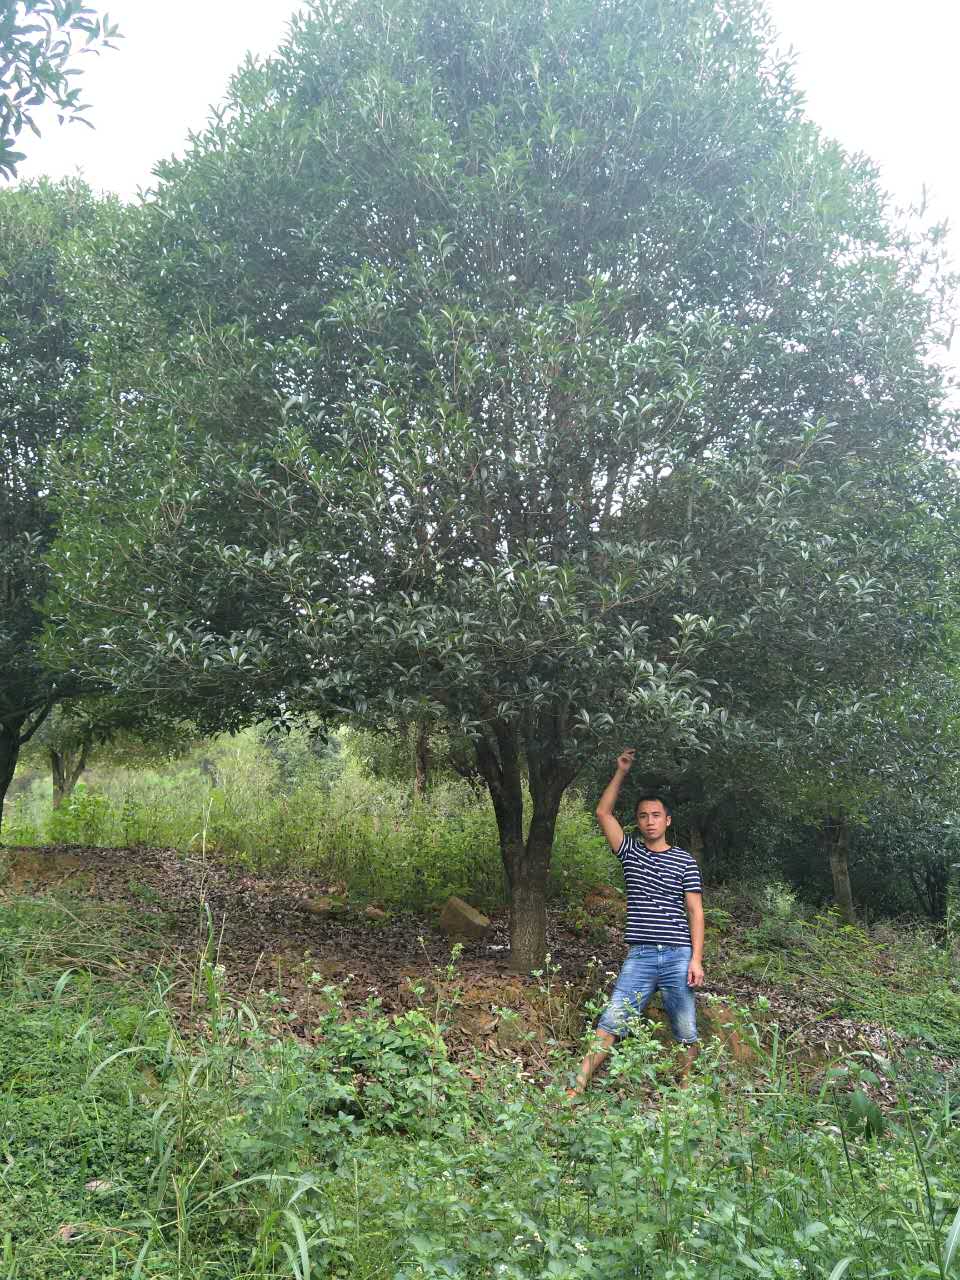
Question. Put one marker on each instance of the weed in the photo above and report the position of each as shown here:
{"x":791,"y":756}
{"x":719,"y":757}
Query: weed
{"x":127,"y":1150}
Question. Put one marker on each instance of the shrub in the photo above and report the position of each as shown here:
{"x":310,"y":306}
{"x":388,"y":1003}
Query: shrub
{"x":83,"y":818}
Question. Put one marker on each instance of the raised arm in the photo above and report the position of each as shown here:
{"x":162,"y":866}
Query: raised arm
{"x":610,"y":827}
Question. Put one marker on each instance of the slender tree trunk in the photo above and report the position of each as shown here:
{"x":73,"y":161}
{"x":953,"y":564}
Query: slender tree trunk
{"x":838,"y":843}
{"x":66,"y":766}
{"x":421,"y":759}
{"x":695,"y":840}
{"x":9,"y":753}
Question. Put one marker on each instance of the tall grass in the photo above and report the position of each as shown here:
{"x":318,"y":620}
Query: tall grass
{"x":238,"y":1155}
{"x":333,"y":822}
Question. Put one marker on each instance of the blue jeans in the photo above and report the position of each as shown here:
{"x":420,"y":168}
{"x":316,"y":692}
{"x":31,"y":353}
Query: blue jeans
{"x":652,"y":967}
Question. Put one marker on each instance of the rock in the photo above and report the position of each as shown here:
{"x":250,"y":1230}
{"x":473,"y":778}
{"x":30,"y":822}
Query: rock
{"x":459,"y":920}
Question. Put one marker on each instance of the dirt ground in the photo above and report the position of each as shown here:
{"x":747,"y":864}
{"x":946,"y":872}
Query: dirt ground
{"x":280,"y":940}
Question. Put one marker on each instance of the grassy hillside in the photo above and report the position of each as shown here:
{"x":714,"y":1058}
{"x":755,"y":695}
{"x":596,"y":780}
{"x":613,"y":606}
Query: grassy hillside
{"x":157,"y":1122}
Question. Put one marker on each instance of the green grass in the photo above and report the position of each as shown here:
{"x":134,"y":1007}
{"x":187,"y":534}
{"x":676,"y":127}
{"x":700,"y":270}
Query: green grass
{"x":904,"y":979}
{"x":370,"y":1154}
{"x":371,"y":834}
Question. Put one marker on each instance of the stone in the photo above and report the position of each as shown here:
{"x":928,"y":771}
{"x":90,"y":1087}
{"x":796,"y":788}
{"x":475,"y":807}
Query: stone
{"x":459,"y":920}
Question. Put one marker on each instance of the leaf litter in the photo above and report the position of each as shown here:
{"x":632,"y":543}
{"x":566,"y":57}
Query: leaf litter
{"x":275,"y":948}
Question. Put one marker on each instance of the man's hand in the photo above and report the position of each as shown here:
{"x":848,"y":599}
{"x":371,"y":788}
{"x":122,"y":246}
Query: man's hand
{"x":695,"y":974}
{"x":610,"y":827}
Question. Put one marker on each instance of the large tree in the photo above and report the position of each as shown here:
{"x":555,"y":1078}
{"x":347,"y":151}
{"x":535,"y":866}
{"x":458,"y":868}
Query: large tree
{"x":51,"y":234}
{"x":513,"y":366}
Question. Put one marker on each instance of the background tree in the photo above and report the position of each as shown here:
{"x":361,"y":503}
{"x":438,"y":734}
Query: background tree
{"x":39,"y":40}
{"x":523,"y":367}
{"x":43,"y":354}
{"x":881,"y":760}
{"x":826,"y":797}
{"x":47,"y":328}
{"x":96,"y":731}
{"x":411,"y":753}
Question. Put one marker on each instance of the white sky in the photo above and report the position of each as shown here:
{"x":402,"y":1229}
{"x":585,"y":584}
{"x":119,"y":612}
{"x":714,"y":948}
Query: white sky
{"x":879,"y":75}
{"x":145,"y":95}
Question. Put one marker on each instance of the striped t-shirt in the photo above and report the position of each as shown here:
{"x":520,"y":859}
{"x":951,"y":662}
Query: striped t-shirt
{"x":656,"y":883}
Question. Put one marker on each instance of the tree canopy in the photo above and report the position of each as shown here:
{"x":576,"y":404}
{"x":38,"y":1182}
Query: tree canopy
{"x":533,"y":369}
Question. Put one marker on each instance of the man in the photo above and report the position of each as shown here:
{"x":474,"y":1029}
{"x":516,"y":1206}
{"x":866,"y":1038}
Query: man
{"x":664,"y":925}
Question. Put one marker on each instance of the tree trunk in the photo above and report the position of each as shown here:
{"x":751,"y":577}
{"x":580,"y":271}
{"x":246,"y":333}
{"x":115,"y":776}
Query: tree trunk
{"x":526,"y":862}
{"x":528,"y":918}
{"x":66,"y":766}
{"x":839,"y":844}
{"x":695,"y":840}
{"x":9,"y":753}
{"x":421,"y":759}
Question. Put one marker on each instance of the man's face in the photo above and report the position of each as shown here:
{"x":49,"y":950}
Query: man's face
{"x":652,"y":820}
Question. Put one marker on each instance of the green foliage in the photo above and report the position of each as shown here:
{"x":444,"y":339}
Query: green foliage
{"x":324,"y":816}
{"x":38,"y":41}
{"x":394,"y":1071}
{"x":908,"y":985}
{"x":46,"y":333}
{"x":246,"y":1154}
{"x":43,"y":351}
{"x":391,"y":753}
{"x":82,"y":818}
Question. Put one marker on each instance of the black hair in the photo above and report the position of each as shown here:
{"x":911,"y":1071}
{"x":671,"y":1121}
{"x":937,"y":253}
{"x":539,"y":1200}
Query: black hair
{"x":654,"y":795}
